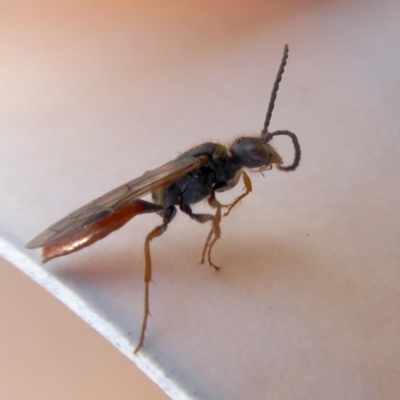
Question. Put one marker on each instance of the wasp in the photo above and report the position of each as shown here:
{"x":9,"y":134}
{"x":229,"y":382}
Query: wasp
{"x":194,"y":175}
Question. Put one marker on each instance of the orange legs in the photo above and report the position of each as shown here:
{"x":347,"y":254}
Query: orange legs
{"x":158,"y":231}
{"x":215,"y":232}
{"x":247,"y":189}
{"x":213,"y":236}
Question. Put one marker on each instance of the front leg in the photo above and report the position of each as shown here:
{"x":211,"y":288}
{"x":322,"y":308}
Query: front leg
{"x":247,"y":189}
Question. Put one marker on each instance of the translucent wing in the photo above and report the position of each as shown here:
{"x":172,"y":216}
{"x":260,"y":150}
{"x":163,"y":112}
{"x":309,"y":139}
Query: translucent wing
{"x":112,"y":210}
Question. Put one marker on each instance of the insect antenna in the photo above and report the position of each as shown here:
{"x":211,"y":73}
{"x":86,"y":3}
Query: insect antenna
{"x":268,"y":136}
{"x":264,"y":132}
{"x":296,"y":145}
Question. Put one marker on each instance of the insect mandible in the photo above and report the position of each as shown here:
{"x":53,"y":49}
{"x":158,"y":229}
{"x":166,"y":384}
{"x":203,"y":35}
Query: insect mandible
{"x":194,"y":175}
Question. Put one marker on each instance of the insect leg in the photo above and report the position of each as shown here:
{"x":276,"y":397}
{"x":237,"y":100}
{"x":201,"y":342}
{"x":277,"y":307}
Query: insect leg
{"x":215,"y":229}
{"x":197,"y":217}
{"x":247,"y":189}
{"x":169,"y":214}
{"x":215,"y":232}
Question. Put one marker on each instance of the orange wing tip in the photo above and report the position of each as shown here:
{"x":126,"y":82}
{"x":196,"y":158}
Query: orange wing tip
{"x":47,"y":253}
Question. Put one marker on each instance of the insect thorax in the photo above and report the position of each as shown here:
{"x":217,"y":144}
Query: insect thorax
{"x":200,"y":183}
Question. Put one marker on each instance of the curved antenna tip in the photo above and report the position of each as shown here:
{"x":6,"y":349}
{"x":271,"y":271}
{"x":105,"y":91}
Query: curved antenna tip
{"x":297,"y":149}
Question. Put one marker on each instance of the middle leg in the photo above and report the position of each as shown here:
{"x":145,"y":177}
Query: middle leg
{"x":215,"y":229}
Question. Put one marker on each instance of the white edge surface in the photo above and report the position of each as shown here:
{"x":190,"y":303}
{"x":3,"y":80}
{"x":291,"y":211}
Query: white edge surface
{"x":75,"y":303}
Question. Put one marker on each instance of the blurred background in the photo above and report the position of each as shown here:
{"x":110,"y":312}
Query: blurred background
{"x":95,"y":93}
{"x":47,"y":352}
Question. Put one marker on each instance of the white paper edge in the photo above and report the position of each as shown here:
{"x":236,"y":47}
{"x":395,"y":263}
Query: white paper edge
{"x":79,"y":307}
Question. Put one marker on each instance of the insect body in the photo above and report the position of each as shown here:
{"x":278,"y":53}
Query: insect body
{"x":195,"y":175}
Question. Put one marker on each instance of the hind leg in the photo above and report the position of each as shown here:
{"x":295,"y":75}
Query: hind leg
{"x":169,"y":214}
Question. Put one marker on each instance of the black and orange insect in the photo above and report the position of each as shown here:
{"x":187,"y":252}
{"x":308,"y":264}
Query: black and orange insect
{"x":195,"y":175}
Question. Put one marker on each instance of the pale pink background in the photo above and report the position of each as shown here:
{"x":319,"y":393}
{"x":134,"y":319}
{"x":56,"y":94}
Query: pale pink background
{"x":307,"y":304}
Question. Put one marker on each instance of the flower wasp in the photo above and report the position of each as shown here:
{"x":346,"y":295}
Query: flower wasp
{"x":194,"y":175}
